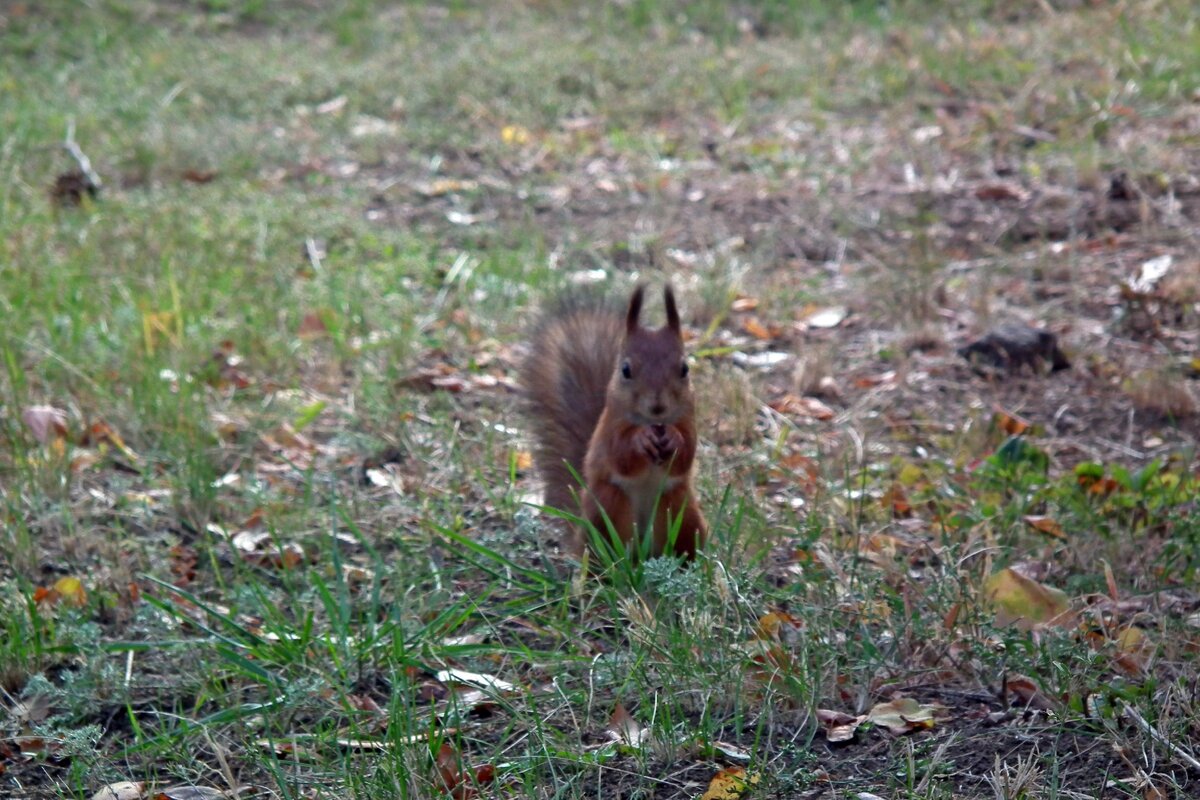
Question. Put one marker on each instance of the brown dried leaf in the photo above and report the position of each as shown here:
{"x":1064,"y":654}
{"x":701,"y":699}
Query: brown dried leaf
{"x":312,"y":325}
{"x":101,"y":434}
{"x":1010,"y":423}
{"x":895,"y":501}
{"x":191,"y":793}
{"x":839,"y":727}
{"x":623,"y":728}
{"x":794,"y":405}
{"x":779,"y":626}
{"x":198,"y":175}
{"x":46,"y":423}
{"x":758,"y":330}
{"x":1027,"y":691}
{"x":1001,"y":191}
{"x":1046,"y":525}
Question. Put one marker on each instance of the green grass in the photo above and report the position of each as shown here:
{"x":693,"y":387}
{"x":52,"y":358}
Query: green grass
{"x":270,"y":165}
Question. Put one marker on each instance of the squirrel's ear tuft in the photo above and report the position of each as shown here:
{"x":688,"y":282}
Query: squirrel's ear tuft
{"x":635,"y":309}
{"x":672,"y":311}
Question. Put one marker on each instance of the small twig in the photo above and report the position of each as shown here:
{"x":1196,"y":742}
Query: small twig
{"x":1131,"y":713}
{"x":1120,"y":448}
{"x":85,"y":163}
{"x":314,"y":254}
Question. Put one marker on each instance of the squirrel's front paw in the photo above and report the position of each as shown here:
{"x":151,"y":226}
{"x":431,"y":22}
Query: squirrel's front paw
{"x":646,"y":442}
{"x":669,"y":441}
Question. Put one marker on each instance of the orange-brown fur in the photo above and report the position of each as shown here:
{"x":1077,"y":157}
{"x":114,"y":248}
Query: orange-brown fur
{"x":611,"y":401}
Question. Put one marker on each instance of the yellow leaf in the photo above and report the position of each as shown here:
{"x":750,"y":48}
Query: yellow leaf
{"x":779,"y":626}
{"x":522,"y":460}
{"x":1021,"y":601}
{"x":909,"y":474}
{"x":729,"y":784}
{"x":514,"y":134}
{"x":72,"y":590}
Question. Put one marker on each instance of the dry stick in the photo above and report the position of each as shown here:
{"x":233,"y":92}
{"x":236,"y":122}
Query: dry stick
{"x":1158,"y":736}
{"x":85,"y":164}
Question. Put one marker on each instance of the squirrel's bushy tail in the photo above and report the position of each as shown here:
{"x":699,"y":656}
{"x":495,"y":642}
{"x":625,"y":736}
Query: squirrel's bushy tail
{"x":572,"y":354}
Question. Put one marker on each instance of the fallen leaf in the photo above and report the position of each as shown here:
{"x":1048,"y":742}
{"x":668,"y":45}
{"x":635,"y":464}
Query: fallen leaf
{"x":312,"y":326}
{"x":1046,"y":525}
{"x":902,"y":715}
{"x":1021,"y":601}
{"x":31,"y":711}
{"x":826,"y":317}
{"x":779,"y":626}
{"x":839,"y":727}
{"x":884,"y":379}
{"x":199,"y":175}
{"x":102,"y":434}
{"x":731,"y":751}
{"x":514,"y":134}
{"x":796,"y":406}
{"x":125,"y":790}
{"x":71,"y":590}
{"x":729,"y":784}
{"x":1133,"y":650}
{"x":1027,"y":691}
{"x":190,"y":793}
{"x":1010,"y":423}
{"x":46,"y":423}
{"x":1150,"y":273}
{"x":895,"y":501}
{"x":332,"y":105}
{"x":625,"y":729}
{"x":476,"y":679}
{"x":744,"y":303}
{"x":1001,"y":191}
{"x":764,"y":360}
{"x":759,"y":331}
{"x":261,"y":549}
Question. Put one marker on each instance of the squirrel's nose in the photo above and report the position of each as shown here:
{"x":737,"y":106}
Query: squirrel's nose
{"x":658,"y":409}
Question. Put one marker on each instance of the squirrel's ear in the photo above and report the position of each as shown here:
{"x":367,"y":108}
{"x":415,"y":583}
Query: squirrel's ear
{"x":672,"y":311}
{"x":635,"y":309}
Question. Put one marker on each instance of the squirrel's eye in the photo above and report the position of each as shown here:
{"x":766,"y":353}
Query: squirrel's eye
{"x":626,"y":371}
{"x":683,"y":370}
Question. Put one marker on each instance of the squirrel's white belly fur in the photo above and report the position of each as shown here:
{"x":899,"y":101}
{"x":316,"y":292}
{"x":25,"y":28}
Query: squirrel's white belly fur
{"x":644,"y":492}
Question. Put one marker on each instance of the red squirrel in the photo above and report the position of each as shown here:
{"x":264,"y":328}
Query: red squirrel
{"x":610,"y":401}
